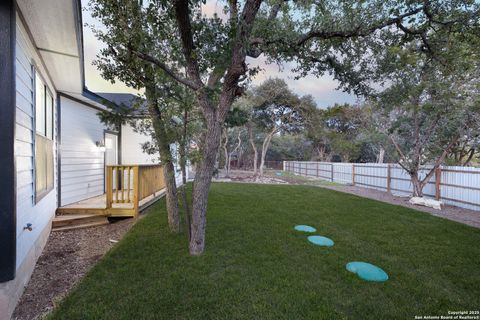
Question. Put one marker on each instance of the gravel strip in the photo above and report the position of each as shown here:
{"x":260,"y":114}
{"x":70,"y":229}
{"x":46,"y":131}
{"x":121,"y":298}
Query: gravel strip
{"x":67,"y":257}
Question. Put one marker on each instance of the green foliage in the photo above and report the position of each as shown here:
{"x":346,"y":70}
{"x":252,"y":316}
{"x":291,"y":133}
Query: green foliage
{"x":276,"y":107}
{"x":290,"y":147}
{"x":359,"y":43}
{"x":236,"y":118}
{"x":432,"y":103}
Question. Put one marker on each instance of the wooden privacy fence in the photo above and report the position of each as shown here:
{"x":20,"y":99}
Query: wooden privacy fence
{"x":130,"y":185}
{"x":457,"y":186}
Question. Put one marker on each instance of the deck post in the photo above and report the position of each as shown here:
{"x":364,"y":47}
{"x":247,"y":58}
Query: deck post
{"x":136,"y":177}
{"x":109,"y":195}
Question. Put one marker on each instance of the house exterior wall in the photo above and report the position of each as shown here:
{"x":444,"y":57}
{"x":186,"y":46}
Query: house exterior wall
{"x":29,"y":244}
{"x":82,"y":162}
{"x":132,"y":152}
{"x":38,"y":214}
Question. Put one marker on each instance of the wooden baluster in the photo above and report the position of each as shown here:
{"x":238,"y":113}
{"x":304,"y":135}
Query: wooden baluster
{"x":122,"y":185}
{"x":116,"y":184}
{"x":135,"y":189}
{"x":109,"y":195}
{"x":128,"y":185}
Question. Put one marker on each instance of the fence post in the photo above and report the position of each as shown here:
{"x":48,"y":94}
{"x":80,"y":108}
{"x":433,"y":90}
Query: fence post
{"x":317,"y":169}
{"x":353,"y":174}
{"x":389,"y":178}
{"x":331,"y":167}
{"x":306,"y":169}
{"x":438,"y":177}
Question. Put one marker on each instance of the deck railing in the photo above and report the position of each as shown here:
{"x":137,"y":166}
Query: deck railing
{"x":128,"y":185}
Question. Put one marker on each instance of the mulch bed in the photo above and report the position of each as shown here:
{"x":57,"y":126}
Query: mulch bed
{"x":67,"y":257}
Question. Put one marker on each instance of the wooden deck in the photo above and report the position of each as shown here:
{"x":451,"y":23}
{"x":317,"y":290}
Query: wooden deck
{"x":98,"y":205}
{"x":130,"y":188}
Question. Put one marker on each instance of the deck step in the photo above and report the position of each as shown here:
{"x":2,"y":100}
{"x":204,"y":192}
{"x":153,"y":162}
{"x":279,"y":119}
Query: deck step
{"x":77,"y":221}
{"x":75,"y":211}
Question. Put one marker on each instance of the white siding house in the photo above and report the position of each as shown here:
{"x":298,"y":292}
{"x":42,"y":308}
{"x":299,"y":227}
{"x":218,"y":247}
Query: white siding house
{"x":132,"y":151}
{"x":52,"y":143}
{"x":82,"y":162}
{"x":37,"y":212}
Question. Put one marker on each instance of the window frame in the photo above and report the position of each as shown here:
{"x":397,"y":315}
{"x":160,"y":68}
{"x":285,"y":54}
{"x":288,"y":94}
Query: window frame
{"x":48,"y":140}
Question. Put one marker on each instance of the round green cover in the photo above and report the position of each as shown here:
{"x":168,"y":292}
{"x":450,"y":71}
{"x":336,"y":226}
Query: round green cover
{"x":321,"y":241}
{"x":367,"y":271}
{"x":305,"y":228}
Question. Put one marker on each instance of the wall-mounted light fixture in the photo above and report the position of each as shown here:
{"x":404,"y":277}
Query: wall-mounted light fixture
{"x":101,"y":146}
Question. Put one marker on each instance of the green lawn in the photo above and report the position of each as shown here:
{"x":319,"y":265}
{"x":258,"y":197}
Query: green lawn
{"x":257,"y":267}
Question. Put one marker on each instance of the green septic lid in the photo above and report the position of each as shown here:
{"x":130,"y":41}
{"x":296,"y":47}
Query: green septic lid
{"x":305,"y":228}
{"x":367,"y":271}
{"x":321,"y":241}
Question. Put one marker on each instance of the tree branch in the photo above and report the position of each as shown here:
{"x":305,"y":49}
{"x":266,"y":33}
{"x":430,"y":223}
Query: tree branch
{"x":402,"y":156}
{"x":356,"y":32}
{"x":182,"y":14}
{"x":165,"y":68}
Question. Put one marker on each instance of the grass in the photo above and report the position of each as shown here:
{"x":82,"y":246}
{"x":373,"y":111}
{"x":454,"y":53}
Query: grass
{"x":257,"y":267}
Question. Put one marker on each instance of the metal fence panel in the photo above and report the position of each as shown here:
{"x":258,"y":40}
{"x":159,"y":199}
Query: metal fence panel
{"x":458,"y":186}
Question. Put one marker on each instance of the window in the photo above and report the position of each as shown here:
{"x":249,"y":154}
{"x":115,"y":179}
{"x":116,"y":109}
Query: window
{"x":43,"y":139}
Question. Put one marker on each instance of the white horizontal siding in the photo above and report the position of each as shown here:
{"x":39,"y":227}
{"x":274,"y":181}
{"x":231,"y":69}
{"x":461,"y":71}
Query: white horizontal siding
{"x":38,"y":214}
{"x":82,"y":162}
{"x":132,"y":152}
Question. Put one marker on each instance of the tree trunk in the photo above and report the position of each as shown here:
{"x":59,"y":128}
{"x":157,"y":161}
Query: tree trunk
{"x":239,"y":142}
{"x":183,"y":167}
{"x":225,"y":151}
{"x":166,"y":159}
{"x":255,"y":151}
{"x":321,"y":153}
{"x":469,"y":158}
{"x":171,"y":195}
{"x":201,"y":185}
{"x":381,"y":155}
{"x":417,"y":185}
{"x":265,"y":145}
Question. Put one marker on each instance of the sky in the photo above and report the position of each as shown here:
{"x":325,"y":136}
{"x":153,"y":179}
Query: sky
{"x":322,"y":89}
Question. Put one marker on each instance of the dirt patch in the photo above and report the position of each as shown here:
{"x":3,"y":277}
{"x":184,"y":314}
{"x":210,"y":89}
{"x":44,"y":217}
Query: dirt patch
{"x":465,"y":216}
{"x":248,"y":177}
{"x":67,"y":257}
